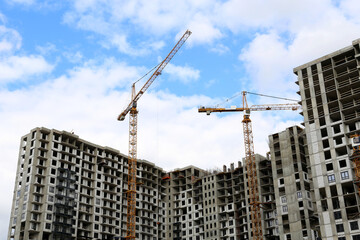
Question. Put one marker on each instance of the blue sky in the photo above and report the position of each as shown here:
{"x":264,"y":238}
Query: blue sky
{"x":69,"y":65}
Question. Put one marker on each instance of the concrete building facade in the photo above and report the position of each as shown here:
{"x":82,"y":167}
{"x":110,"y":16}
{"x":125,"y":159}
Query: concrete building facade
{"x":330,"y":98}
{"x":68,"y":188}
{"x":296,"y":213}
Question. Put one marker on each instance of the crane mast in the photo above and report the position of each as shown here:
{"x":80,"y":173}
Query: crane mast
{"x":252,"y":175}
{"x":255,"y":203}
{"x":132,"y":162}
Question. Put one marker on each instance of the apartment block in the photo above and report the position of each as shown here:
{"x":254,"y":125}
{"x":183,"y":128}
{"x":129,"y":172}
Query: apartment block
{"x":267,"y":197}
{"x":330,"y":98}
{"x":69,"y":188}
{"x":296,"y":213}
{"x":184,"y":207}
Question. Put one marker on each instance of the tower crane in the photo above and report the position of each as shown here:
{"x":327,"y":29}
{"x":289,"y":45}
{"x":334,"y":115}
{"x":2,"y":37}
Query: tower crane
{"x":255,"y":203}
{"x":132,"y":109}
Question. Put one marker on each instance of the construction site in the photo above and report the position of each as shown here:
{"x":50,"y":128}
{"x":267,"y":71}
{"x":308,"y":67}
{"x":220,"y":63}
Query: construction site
{"x":306,"y":187}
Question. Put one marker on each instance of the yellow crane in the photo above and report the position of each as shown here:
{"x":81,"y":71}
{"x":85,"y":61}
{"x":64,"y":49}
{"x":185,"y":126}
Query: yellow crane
{"x":255,"y":203}
{"x":132,"y":109}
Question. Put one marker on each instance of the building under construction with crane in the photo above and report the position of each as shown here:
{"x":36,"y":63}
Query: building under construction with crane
{"x":307,"y":187}
{"x":69,"y":188}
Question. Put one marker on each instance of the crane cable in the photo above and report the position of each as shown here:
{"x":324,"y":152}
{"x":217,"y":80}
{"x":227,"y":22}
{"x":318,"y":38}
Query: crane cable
{"x":147,"y":73}
{"x":263,"y":95}
{"x":259,"y":94}
{"x":227,"y":100}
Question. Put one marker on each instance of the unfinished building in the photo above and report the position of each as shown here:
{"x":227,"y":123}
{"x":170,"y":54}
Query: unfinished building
{"x":68,"y":188}
{"x":296,"y":214}
{"x":330,"y":98}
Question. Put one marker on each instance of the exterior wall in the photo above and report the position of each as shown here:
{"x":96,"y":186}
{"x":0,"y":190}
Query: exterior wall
{"x":266,"y":185}
{"x":68,"y":188}
{"x":292,"y":184}
{"x":184,"y":215}
{"x":228,"y":184}
{"x":329,"y":90}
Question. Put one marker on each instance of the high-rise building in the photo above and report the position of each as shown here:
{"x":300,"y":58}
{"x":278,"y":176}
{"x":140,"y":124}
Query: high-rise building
{"x":69,"y":188}
{"x":330,"y":98}
{"x":296,"y":213}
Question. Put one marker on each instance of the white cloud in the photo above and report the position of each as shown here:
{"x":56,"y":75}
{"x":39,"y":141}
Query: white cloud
{"x":46,"y":49}
{"x":10,"y":40}
{"x":350,"y":9}
{"x":18,"y":67}
{"x":203,"y":30}
{"x":123,"y":46}
{"x":267,"y":63}
{"x":270,"y":56}
{"x":185,"y":74}
{"x":220,"y":49}
{"x":73,"y":57}
{"x":156,"y":18}
{"x":21,"y":67}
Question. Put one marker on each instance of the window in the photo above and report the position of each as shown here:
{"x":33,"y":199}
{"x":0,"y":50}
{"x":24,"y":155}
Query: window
{"x":283,"y":199}
{"x":331,"y":178}
{"x":339,"y":228}
{"x":337,"y":215}
{"x":305,"y":176}
{"x":299,"y":194}
{"x":344,"y":175}
{"x":329,"y":167}
{"x":354,"y":225}
{"x":281,"y":181}
{"x":285,"y":208}
{"x":342,"y":163}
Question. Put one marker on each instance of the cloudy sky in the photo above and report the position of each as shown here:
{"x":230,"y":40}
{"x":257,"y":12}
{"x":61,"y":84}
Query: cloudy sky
{"x":69,"y":65}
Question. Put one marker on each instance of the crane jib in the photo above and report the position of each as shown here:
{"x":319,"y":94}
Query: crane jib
{"x":156,"y":73}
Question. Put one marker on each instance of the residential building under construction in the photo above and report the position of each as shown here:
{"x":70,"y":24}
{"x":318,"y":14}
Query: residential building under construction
{"x":330,"y":98}
{"x":308,"y":184}
{"x":68,"y":188}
